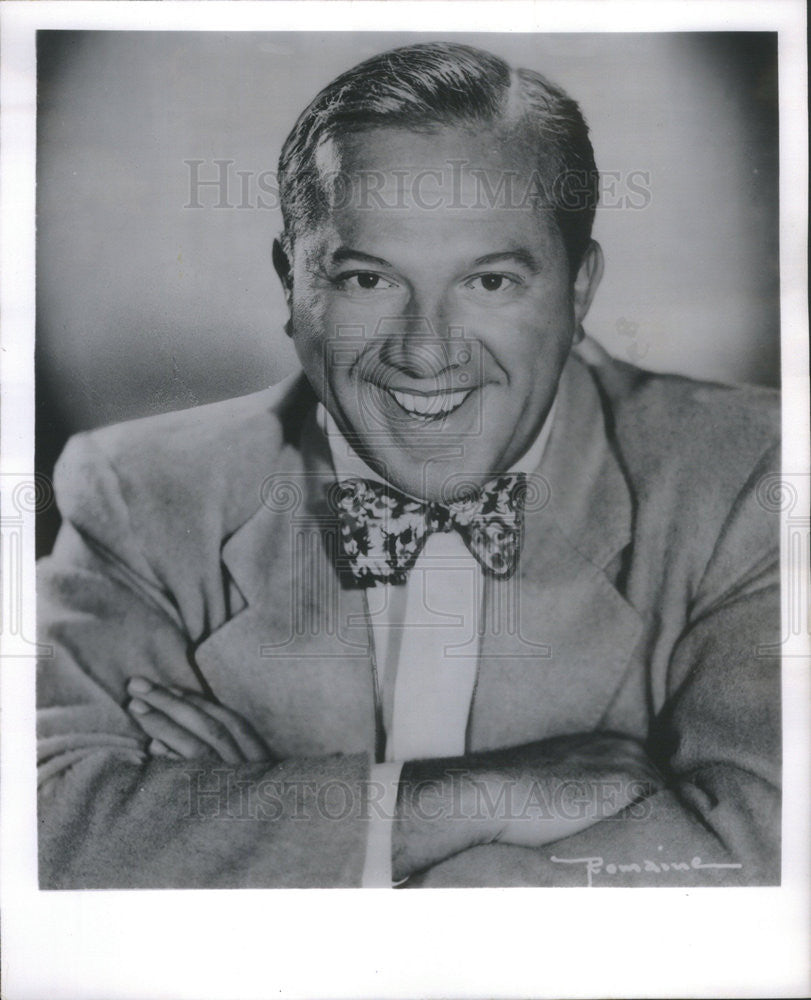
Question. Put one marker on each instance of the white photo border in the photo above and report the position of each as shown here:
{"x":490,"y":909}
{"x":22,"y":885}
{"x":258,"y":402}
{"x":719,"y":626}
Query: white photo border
{"x":345,"y":943}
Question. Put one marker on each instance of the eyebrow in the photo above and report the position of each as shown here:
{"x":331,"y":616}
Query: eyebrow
{"x":521,"y":256}
{"x":347,"y":253}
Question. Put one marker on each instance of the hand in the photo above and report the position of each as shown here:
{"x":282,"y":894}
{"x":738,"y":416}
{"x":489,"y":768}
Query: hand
{"x":185,"y":725}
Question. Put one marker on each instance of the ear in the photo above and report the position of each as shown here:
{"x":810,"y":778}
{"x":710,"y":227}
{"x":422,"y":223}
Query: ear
{"x":283,"y":267}
{"x":587,"y":280}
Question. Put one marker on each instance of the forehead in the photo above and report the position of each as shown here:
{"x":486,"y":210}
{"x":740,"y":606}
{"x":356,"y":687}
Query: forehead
{"x":476,"y":146}
{"x":458,"y":183}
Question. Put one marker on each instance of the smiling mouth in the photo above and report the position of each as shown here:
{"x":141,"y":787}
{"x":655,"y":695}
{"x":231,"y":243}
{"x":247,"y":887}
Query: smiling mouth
{"x":432,"y":406}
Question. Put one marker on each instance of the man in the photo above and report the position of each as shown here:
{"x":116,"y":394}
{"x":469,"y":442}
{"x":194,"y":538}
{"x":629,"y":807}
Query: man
{"x":466,"y":602}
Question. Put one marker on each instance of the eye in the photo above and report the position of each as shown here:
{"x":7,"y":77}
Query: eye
{"x":364,"y":281}
{"x":491,"y":282}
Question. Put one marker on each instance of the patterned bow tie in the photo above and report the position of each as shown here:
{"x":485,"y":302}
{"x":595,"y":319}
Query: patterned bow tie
{"x":383,"y":531}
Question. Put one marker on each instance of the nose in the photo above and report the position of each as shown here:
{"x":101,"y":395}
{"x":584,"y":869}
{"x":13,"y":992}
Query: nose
{"x":422,"y":342}
{"x":416,"y":349}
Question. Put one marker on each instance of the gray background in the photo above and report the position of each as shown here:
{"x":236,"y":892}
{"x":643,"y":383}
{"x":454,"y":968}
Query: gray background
{"x":145,"y":305}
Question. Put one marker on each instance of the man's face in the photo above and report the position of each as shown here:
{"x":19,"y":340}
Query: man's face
{"x":432,"y":318}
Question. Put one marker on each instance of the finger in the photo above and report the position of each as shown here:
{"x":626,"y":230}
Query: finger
{"x":251,"y":744}
{"x":179,"y":739}
{"x":167,"y":733}
{"x":158,"y":749}
{"x":188,"y":717}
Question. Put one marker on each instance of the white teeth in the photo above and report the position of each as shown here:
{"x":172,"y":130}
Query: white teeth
{"x":430,"y":406}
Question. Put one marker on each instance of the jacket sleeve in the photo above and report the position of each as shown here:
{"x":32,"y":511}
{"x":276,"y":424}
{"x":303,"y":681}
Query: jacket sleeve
{"x":111,"y":816}
{"x":717,"y":738}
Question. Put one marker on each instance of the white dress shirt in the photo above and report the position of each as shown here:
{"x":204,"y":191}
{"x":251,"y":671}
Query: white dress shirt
{"x":425,"y":636}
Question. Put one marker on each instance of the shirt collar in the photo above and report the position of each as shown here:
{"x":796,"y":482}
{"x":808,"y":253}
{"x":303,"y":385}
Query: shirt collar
{"x":349,"y":465}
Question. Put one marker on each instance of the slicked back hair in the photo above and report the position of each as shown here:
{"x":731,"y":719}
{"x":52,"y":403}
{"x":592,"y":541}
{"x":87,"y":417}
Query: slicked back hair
{"x":435,"y":85}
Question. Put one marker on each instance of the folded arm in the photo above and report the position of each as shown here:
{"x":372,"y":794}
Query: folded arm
{"x":716,"y":740}
{"x":121,"y":806}
{"x":112,"y":813}
{"x":529,"y":795}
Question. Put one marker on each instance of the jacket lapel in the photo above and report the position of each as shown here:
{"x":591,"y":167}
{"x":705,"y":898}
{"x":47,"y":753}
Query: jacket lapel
{"x":296,"y":659}
{"x":556,"y":640}
{"x":558,"y":637}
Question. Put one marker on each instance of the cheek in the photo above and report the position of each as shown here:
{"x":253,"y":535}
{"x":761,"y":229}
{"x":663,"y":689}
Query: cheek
{"x":537,"y":325}
{"x":325,"y":340}
{"x":528,"y":347}
{"x":310,"y":342}
{"x":546,"y":337}
{"x":320,"y":317}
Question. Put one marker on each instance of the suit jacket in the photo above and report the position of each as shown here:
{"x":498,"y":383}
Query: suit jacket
{"x":198,"y":548}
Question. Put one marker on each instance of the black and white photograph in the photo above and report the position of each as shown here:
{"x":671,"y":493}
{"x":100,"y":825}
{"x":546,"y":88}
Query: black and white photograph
{"x":409,"y":496}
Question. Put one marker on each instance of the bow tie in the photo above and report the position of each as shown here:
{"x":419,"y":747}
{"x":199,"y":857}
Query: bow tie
{"x":383,"y":531}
